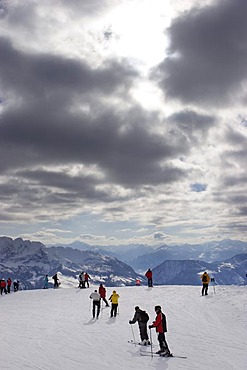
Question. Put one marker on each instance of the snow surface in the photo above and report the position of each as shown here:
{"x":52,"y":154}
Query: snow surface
{"x":53,"y":329}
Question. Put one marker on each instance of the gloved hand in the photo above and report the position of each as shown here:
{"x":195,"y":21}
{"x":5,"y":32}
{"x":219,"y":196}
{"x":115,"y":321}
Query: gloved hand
{"x":150,"y":326}
{"x":130,"y":322}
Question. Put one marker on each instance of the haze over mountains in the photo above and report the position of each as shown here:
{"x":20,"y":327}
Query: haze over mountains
{"x":28,"y":262}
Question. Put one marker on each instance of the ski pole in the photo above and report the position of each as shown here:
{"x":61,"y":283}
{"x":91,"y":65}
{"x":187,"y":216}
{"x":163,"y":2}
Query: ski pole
{"x":213,"y":281}
{"x":133,"y":335}
{"x":89,"y":308}
{"x":151,"y":341}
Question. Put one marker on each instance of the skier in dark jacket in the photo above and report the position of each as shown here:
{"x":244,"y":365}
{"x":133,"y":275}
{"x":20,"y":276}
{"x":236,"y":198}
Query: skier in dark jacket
{"x":142,"y":318}
{"x":46,"y":282}
{"x":16,"y":285}
{"x":56,"y":283}
{"x":161,"y":329}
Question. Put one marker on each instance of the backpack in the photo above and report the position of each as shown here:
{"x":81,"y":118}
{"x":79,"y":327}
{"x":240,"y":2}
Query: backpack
{"x":144,"y":316}
{"x":204,"y":279}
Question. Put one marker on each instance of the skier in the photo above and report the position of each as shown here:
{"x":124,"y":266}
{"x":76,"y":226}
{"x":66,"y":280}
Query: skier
{"x":9,"y":282}
{"x":82,"y":280}
{"x":56,"y":281}
{"x":16,"y":285}
{"x":96,"y":302}
{"x":114,"y":303}
{"x":86,"y":278}
{"x":102,"y":293}
{"x":46,"y":282}
{"x":205,"y":281}
{"x":3,"y":286}
{"x":161,"y":329}
{"x":149,"y":276}
{"x":142,"y":318}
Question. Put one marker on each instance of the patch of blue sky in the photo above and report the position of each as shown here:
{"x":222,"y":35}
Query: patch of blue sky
{"x":198,"y":187}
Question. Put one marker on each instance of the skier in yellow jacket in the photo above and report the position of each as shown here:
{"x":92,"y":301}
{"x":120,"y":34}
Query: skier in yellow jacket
{"x":205,"y":281}
{"x":114,"y":303}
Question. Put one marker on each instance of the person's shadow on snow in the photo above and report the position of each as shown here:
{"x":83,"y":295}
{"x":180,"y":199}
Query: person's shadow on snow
{"x":111,"y":320}
{"x":90,"y":322}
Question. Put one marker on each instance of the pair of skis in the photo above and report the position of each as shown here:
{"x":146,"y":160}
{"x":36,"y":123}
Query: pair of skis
{"x":138,"y":343}
{"x":145,"y":351}
{"x":151,"y":354}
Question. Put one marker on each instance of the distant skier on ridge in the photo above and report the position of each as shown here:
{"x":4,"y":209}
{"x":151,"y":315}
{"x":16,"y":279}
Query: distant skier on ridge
{"x":149,"y":276}
{"x":205,"y":281}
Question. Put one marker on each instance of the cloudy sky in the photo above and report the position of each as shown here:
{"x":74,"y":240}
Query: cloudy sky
{"x":123,"y":121}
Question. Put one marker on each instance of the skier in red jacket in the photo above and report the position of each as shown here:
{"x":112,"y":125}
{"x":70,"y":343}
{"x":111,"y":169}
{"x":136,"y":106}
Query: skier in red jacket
{"x":102,"y":293}
{"x":87,"y":277}
{"x":149,"y":276}
{"x":9,"y":282}
{"x":3,"y":286}
{"x":161,"y":329}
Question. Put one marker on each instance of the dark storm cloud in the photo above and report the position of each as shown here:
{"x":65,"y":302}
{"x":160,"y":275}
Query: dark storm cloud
{"x":45,"y":76}
{"x":243,"y":211}
{"x":234,"y":180}
{"x":206,"y":60}
{"x":87,"y":7}
{"x":129,"y":155}
{"x":191,"y":120}
{"x":194,"y":125}
{"x":75,"y":187}
{"x":45,"y":127}
{"x":236,"y":138}
{"x":27,"y":14}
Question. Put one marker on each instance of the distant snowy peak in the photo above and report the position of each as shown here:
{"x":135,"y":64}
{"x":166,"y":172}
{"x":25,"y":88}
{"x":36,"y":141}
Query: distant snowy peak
{"x":228,"y":272}
{"x":208,"y":252}
{"x":19,"y":249}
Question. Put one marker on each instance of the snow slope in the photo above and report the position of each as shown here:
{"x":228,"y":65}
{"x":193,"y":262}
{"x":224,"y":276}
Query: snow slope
{"x":53,"y":329}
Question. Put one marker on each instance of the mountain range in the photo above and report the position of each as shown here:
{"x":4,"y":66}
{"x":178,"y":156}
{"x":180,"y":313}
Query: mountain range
{"x":28,"y":262}
{"x":141,"y":257}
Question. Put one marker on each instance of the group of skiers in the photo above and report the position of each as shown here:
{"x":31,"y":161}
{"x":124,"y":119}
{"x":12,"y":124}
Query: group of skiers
{"x":159,"y":323}
{"x":96,"y":296}
{"x":142,"y":317}
{"x":5,"y":286}
{"x":56,"y":281}
{"x":84,"y":280}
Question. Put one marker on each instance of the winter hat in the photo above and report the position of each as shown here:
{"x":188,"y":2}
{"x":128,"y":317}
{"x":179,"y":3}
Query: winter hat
{"x":157,"y":308}
{"x":136,"y":307}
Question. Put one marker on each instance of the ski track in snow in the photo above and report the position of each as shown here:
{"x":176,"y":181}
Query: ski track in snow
{"x":54,"y":330}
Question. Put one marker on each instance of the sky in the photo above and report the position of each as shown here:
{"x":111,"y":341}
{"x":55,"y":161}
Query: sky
{"x":53,"y":329}
{"x":123,"y":121}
